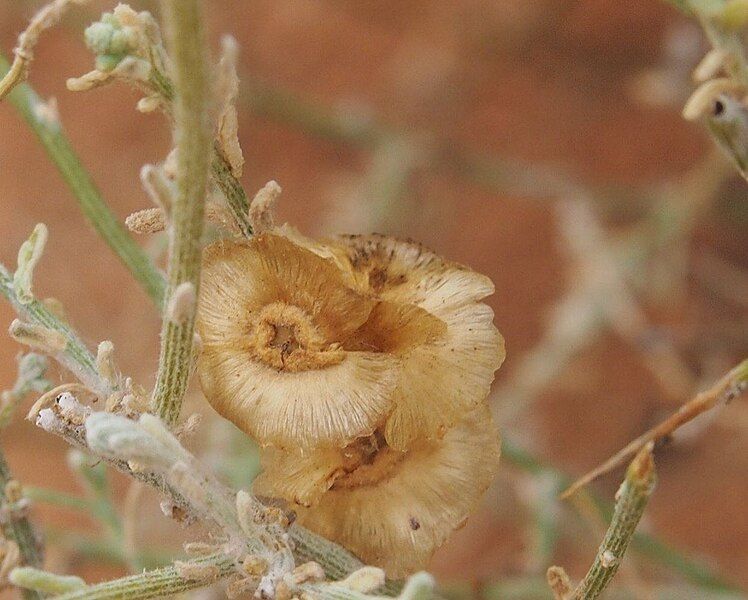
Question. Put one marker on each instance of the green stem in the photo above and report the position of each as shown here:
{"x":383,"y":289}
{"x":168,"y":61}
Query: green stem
{"x":419,"y":586}
{"x":18,"y":529}
{"x":57,"y":498}
{"x":313,"y":119}
{"x":197,"y":492}
{"x":490,"y":172}
{"x":75,"y":357}
{"x":105,"y":550}
{"x":185,"y":36}
{"x":336,"y":561}
{"x":89,"y":199}
{"x":153,"y":584}
{"x":233,"y":191}
{"x":95,"y":479}
{"x":646,"y":545}
{"x":631,"y":501}
{"x":230,"y":186}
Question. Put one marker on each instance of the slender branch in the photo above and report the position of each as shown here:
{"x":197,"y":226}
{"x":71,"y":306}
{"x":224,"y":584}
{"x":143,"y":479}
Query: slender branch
{"x":648,"y":546}
{"x":57,"y":498}
{"x":48,"y":16}
{"x":75,"y":356}
{"x":185,"y":36}
{"x":230,"y":186}
{"x":74,"y":434}
{"x":14,"y":73}
{"x":106,"y":551}
{"x":159,"y":582}
{"x":233,"y":191}
{"x":16,"y":527}
{"x":726,"y":389}
{"x":93,"y":476}
{"x":535,"y":587}
{"x":49,"y":131}
{"x":632,"y":498}
{"x":490,"y":172}
{"x":336,"y":561}
{"x":419,"y":586}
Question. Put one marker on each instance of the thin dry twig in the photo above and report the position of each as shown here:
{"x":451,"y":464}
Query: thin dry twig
{"x":731,"y":386}
{"x":24,"y":52}
{"x":559,"y":583}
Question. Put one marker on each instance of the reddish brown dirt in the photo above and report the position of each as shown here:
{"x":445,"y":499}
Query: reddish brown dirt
{"x":540,"y":80}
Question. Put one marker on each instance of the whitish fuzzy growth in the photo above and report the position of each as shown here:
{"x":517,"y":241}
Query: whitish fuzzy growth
{"x":29,"y":255}
{"x":146,"y":442}
{"x":127,"y":46}
{"x":105,"y":361}
{"x":39,"y":337}
{"x":261,"y":208}
{"x":227,"y":90}
{"x":181,"y":305}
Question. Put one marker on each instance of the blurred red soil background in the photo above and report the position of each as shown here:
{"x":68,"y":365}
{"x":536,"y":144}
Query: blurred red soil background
{"x":540,"y":82}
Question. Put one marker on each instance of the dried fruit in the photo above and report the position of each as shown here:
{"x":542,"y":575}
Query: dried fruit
{"x":273,"y":318}
{"x":443,"y":376}
{"x":392,"y":509}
